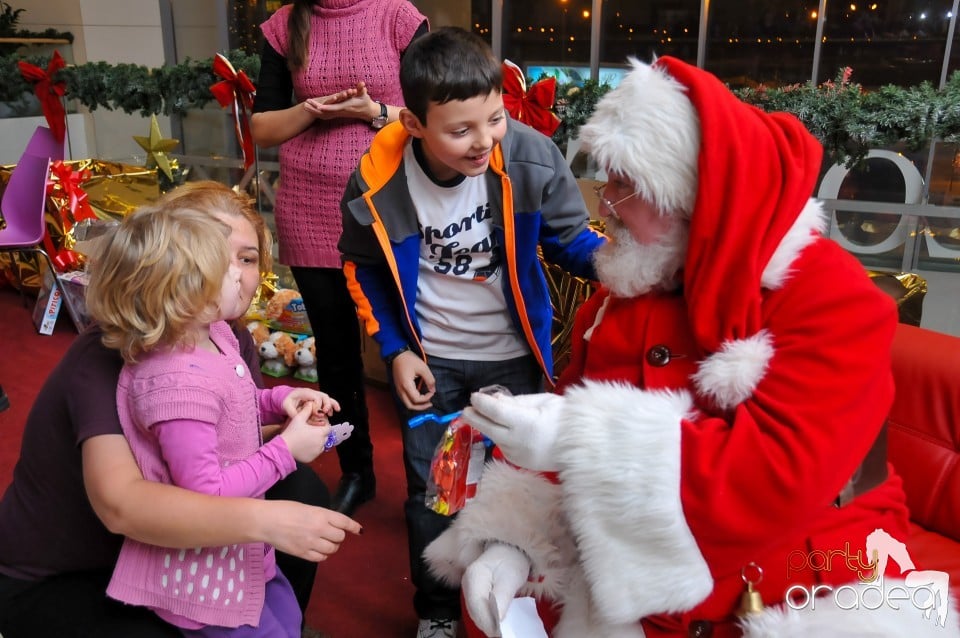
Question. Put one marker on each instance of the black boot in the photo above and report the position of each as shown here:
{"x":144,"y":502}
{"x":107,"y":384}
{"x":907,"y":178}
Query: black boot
{"x":352,"y":491}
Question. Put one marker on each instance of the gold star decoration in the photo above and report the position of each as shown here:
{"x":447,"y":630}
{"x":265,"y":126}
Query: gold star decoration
{"x":157,"y":148}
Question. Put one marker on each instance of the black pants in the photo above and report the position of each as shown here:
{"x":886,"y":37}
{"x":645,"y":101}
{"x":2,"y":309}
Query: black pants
{"x":75,"y":604}
{"x":333,"y":317}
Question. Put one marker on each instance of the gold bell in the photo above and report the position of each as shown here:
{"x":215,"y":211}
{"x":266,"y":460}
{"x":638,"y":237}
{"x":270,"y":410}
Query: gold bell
{"x":751,"y":602}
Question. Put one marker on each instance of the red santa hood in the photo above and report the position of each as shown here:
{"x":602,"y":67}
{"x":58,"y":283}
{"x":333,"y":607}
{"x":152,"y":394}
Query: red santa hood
{"x":743,"y":178}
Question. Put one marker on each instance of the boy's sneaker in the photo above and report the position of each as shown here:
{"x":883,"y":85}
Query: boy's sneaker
{"x":437,"y":628}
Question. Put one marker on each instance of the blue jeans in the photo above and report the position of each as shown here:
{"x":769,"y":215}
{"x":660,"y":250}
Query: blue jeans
{"x":456,"y":380}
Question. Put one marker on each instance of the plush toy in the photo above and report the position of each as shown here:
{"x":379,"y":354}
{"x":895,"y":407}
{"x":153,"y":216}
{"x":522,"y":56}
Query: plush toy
{"x":259,"y":331}
{"x":306,"y":360}
{"x":285,"y":311}
{"x":277,"y":353}
{"x":278,"y":302}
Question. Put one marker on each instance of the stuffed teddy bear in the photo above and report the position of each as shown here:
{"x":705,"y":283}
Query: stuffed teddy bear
{"x":277,"y":353}
{"x":306,"y":360}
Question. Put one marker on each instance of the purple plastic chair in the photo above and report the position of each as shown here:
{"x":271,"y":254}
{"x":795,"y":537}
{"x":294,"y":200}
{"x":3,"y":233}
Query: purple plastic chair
{"x":24,"y":200}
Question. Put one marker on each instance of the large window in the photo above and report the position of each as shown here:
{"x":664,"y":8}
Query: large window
{"x":645,"y":29}
{"x":769,"y":42}
{"x":551,"y":33}
{"x":885,"y":42}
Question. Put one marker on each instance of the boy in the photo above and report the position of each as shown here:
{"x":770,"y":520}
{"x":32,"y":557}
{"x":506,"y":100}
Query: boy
{"x":441,"y":223}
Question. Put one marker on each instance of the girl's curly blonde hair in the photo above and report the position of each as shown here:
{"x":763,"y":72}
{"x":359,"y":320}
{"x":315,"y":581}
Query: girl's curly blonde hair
{"x":158,"y":278}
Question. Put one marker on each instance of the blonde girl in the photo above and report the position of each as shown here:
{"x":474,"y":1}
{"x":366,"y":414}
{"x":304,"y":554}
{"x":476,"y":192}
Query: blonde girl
{"x":162,"y":289}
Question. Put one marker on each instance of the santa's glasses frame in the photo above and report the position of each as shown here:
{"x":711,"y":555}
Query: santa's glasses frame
{"x":609,"y":206}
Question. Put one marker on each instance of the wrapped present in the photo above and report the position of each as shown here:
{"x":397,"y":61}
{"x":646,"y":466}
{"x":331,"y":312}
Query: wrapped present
{"x":73,"y":285}
{"x":80,"y":190}
{"x":907,"y":289}
{"x":47,"y":308}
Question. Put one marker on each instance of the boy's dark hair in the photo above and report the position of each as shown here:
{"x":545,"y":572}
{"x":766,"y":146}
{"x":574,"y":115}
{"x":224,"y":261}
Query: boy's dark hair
{"x":447,"y":64}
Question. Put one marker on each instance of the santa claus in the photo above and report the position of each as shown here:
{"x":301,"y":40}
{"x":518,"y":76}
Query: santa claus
{"x":712,"y":462}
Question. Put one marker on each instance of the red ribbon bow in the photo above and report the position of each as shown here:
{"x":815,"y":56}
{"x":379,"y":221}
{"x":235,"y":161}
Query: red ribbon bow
{"x":68,"y":182}
{"x":531,"y":107}
{"x":48,"y":92}
{"x":237,"y":90}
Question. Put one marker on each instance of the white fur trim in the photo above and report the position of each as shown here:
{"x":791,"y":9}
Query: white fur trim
{"x":516,"y":507}
{"x":730,"y":376}
{"x":648,"y":130}
{"x":619,"y":454}
{"x":811,"y":223}
{"x":826,"y":618}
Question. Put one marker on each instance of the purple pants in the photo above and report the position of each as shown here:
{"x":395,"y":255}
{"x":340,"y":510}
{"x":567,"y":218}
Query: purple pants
{"x":281,"y":617}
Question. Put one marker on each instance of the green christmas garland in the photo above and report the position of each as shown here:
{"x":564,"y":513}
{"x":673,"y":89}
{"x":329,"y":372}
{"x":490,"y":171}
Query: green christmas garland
{"x":131,"y":88}
{"x":848,"y":120}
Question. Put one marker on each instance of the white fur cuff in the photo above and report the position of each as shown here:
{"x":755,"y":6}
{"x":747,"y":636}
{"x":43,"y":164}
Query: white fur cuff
{"x":619,"y":453}
{"x":515,"y":507}
{"x":730,"y":376}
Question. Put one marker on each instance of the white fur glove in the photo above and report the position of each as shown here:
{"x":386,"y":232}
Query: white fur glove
{"x":524,"y":427}
{"x":491,"y":582}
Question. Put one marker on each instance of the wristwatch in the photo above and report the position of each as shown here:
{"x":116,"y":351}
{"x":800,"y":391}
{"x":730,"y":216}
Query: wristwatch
{"x":380,"y":121}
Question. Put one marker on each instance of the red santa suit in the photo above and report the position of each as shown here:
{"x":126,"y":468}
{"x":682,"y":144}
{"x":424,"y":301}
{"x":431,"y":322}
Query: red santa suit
{"x":706,"y":433}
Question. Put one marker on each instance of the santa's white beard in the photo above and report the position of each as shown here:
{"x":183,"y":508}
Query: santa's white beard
{"x":630,"y":269}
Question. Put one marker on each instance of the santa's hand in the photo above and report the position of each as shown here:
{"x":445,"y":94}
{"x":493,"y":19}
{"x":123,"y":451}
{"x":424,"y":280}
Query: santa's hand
{"x":491,"y":582}
{"x":524,"y":427}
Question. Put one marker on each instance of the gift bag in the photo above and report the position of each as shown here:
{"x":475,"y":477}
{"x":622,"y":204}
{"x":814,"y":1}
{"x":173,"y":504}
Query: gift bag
{"x":456,"y":466}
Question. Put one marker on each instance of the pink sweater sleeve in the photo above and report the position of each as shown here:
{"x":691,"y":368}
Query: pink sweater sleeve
{"x":190,"y":450}
{"x":270,"y":401}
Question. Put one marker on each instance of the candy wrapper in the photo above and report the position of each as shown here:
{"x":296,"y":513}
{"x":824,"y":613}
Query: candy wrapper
{"x":456,"y":466}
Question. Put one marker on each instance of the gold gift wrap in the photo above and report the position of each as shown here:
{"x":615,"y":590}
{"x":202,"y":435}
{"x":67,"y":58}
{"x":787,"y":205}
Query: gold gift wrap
{"x":113,"y":191}
{"x":907,"y":289}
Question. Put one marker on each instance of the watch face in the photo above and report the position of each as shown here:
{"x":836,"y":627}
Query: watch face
{"x":381,"y":121}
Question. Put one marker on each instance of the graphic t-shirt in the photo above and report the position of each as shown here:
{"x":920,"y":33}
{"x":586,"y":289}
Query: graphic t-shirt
{"x":460,"y":301}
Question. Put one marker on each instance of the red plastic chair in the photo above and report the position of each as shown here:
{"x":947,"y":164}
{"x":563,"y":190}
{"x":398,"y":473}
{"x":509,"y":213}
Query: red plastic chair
{"x":24,"y":200}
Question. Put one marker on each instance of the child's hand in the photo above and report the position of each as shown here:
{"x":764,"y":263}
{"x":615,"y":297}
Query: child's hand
{"x":323,"y":405}
{"x":414,"y":381}
{"x":305,"y":442}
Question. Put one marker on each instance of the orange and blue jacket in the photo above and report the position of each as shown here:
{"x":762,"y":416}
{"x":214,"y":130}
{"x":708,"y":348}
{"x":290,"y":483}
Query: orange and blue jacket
{"x":534,"y":200}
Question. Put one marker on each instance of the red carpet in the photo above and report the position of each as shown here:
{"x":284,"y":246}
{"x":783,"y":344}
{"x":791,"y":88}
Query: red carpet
{"x":363,"y":591}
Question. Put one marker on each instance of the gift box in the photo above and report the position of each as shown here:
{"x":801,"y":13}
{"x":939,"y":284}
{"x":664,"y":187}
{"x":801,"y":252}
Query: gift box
{"x":47,"y":308}
{"x":73,"y":285}
{"x":108,"y":190}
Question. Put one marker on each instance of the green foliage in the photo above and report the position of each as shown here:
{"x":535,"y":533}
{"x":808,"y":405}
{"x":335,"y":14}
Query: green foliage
{"x":9,"y":18}
{"x":130,"y":88}
{"x":850,"y":121}
{"x":574,"y":102}
{"x":845,"y":118}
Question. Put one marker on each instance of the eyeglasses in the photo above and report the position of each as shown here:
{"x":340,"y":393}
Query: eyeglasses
{"x":606,"y":203}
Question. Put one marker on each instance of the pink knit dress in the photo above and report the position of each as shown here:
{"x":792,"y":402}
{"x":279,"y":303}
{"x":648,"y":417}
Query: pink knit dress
{"x":348,"y":39}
